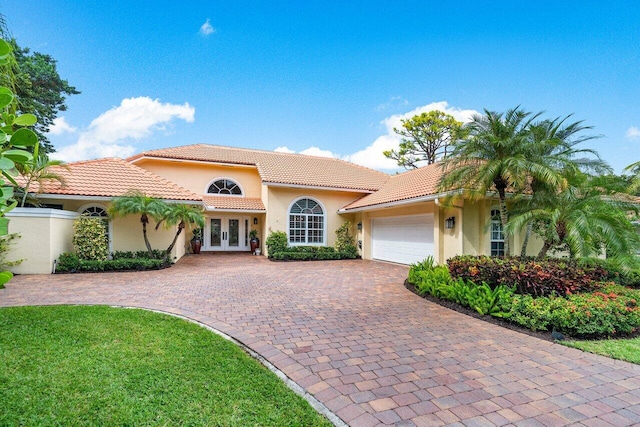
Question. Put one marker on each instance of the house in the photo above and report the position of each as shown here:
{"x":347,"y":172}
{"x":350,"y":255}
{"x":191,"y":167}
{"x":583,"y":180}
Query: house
{"x":397,"y":218}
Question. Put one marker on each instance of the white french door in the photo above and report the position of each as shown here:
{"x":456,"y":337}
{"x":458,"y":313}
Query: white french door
{"x":227,"y":233}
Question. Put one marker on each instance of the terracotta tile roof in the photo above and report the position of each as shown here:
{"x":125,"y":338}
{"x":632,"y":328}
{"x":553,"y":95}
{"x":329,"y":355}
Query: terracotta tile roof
{"x":281,"y":168}
{"x":233,"y":203}
{"x":112,"y":177}
{"x":408,"y":185}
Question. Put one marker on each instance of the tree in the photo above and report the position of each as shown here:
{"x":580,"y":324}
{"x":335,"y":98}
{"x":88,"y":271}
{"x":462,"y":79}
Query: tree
{"x":34,"y":79}
{"x":426,"y":138}
{"x":493,"y":157}
{"x":554,"y":144}
{"x":582,"y":218}
{"x":180,"y":214}
{"x":41,"y":92}
{"x":137,"y":203}
{"x":37,"y":171}
{"x":634,"y":168}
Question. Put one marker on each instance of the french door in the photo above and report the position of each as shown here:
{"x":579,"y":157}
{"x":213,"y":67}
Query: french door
{"x":227,"y":234}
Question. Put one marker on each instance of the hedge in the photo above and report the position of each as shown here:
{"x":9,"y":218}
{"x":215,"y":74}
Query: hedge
{"x":70,"y":263}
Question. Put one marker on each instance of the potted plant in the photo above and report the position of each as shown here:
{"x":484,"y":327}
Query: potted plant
{"x":196,"y":240}
{"x":254,"y":242}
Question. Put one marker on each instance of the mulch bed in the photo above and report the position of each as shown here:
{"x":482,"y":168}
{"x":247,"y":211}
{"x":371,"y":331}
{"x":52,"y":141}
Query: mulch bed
{"x":469,"y":312}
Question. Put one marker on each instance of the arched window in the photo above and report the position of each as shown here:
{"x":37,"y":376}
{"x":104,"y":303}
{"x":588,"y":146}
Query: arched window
{"x":225,"y":186}
{"x":95,"y":211}
{"x":497,"y":234}
{"x":306,"y":222}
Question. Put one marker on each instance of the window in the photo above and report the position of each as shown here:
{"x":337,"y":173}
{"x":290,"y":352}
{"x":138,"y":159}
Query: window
{"x":497,"y":234}
{"x":225,"y":186}
{"x":306,"y":222}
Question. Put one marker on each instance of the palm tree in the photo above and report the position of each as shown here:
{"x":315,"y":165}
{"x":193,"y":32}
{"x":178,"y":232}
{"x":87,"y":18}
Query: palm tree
{"x":494,"y":157}
{"x":38,"y":170}
{"x":581,"y":218}
{"x":180,"y":214}
{"x":552,"y":143}
{"x":635,"y":180}
{"x":137,"y":203}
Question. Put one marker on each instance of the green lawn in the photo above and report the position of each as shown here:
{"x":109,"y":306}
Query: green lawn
{"x":623,"y":349}
{"x":108,"y":366}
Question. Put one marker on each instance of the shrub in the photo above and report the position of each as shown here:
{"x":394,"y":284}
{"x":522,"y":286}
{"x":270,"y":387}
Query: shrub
{"x":611,"y":311}
{"x":530,"y":276}
{"x":71,"y":263}
{"x":616,"y":272}
{"x":90,"y":238}
{"x":344,"y":239}
{"x":276,"y":242}
{"x":157,"y":254}
{"x":437,"y":281}
{"x":308,"y":253}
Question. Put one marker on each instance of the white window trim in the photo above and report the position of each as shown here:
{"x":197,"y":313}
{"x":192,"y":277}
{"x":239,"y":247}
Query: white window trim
{"x":206,"y":188}
{"x":324,"y":223}
{"x":109,"y":220}
{"x":491,"y":240}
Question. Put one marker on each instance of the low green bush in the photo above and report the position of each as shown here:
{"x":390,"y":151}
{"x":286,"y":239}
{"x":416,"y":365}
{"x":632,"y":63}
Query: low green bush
{"x":70,"y":263}
{"x":437,"y":281}
{"x":276,"y":242}
{"x":608,"y":312}
{"x":157,"y":254}
{"x":530,"y":276}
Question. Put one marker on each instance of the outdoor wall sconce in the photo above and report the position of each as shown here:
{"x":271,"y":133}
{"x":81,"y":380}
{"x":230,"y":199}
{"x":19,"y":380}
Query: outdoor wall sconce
{"x":359,"y":244}
{"x":255,"y":221}
{"x":359,"y":226}
{"x":450,"y":222}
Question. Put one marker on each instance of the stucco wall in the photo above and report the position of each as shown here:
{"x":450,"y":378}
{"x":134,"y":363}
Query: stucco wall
{"x":45,"y":234}
{"x":195,"y":177}
{"x":279,"y":200}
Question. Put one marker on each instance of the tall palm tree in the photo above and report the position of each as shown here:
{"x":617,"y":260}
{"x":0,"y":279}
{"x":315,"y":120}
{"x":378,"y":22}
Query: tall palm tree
{"x":494,"y":157}
{"x":137,"y":203}
{"x":180,"y":214}
{"x":581,"y":218}
{"x":38,"y":170}
{"x":554,"y":144}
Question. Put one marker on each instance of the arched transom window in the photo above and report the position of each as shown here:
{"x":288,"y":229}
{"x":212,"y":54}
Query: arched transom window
{"x":306,"y":222}
{"x":225,"y":186}
{"x":95,"y":211}
{"x":497,"y":234}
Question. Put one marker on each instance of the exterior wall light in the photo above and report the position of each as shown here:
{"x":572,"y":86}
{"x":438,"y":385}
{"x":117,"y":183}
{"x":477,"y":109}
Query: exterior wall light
{"x":450,"y":222}
{"x":255,"y":221}
{"x":359,"y":226}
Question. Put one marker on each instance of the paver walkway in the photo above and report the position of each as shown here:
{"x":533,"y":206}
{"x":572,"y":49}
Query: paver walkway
{"x":371,"y":351}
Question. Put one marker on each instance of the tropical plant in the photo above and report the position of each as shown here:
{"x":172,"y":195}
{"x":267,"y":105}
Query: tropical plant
{"x":137,"y":203}
{"x":15,"y":138}
{"x":180,"y":214}
{"x":276,"y":242}
{"x":426,"y":138}
{"x":494,"y":157}
{"x":634,"y":168}
{"x":344,"y":239}
{"x":582,"y":219}
{"x":554,"y":144}
{"x":37,"y":171}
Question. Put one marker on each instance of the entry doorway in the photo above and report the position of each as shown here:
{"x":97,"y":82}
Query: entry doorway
{"x":226,"y":233}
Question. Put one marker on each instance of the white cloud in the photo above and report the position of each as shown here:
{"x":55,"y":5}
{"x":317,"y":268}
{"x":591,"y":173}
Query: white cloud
{"x":372,"y":156}
{"x":315,"y":151}
{"x":60,"y":126}
{"x":394,"y":102}
{"x":633,"y":132}
{"x":284,"y":149}
{"x":133,"y":119}
{"x":206,"y":29}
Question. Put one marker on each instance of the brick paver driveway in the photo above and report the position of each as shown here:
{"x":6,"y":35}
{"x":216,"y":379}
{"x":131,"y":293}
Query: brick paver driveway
{"x":351,"y":335}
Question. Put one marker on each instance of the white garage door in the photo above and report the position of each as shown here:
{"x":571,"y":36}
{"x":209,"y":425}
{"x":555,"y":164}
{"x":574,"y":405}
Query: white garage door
{"x":402,"y":239}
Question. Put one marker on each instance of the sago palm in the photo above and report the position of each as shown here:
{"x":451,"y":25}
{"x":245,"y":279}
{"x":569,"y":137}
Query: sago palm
{"x":137,"y":203}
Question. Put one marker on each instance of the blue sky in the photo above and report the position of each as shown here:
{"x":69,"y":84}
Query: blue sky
{"x":329,"y":77}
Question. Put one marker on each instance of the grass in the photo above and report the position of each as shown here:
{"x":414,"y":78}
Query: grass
{"x":622,"y":349}
{"x":71,"y":365}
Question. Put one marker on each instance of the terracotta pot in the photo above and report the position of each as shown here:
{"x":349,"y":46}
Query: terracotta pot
{"x":196,"y":244}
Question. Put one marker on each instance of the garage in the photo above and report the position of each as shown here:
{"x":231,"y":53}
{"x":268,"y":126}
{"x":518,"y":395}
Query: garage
{"x":402,"y":239}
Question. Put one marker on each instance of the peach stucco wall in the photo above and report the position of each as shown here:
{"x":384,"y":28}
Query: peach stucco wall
{"x":196,"y":176}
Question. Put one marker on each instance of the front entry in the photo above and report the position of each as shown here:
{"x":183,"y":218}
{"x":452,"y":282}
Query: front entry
{"x":224,"y":233}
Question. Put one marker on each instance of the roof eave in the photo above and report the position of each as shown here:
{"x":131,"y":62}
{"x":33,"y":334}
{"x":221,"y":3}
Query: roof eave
{"x":317,"y":187}
{"x":427,"y":198}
